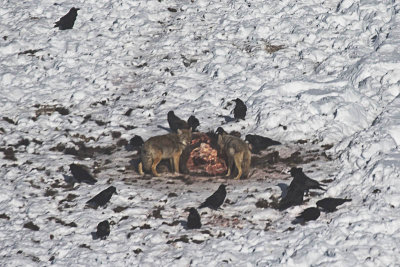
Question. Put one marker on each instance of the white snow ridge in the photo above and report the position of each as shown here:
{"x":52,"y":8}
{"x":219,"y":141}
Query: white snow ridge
{"x":321,"y":77}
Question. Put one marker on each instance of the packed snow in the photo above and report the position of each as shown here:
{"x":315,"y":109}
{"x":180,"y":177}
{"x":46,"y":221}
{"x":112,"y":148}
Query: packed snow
{"x":321,"y":77}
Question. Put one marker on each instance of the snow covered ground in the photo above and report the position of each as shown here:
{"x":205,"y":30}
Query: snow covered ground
{"x":312,"y":73}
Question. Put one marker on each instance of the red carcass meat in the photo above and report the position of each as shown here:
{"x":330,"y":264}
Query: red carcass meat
{"x":204,"y":157}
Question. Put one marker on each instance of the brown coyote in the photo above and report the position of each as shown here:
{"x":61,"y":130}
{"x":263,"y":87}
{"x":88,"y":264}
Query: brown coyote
{"x":168,"y":146}
{"x":235,"y":150}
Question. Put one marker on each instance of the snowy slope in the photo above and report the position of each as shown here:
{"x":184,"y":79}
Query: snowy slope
{"x":318,"y":72}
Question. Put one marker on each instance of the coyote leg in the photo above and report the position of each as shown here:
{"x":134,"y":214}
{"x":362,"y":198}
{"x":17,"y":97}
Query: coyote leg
{"x":238,"y":162}
{"x":229,"y":166}
{"x":176,"y":162}
{"x":171,"y":163}
{"x":156,"y":160}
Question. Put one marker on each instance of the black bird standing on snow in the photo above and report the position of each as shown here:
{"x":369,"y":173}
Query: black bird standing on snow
{"x":293,"y":197}
{"x":303,"y":180}
{"x":81,"y":174}
{"x":309,"y":214}
{"x":67,"y":21}
{"x":136,"y":141}
{"x":193,"y":123}
{"x":239,"y":112}
{"x":175,"y":122}
{"x":259,"y":142}
{"x":329,"y":204}
{"x":103,"y":230}
{"x":297,"y":187}
{"x":102,"y":198}
{"x":193,"y":221}
{"x":216,"y":199}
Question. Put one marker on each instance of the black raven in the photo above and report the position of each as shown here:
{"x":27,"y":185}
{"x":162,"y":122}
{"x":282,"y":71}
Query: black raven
{"x":297,"y":187}
{"x":259,"y":142}
{"x":216,"y":199}
{"x":309,"y":214}
{"x":136,"y":141}
{"x":303,"y":180}
{"x":293,"y":197}
{"x":67,"y":21}
{"x":103,"y":230}
{"x":81,"y":174}
{"x":102,"y":198}
{"x":329,"y":204}
{"x":193,"y":123}
{"x":175,"y":122}
{"x":239,"y":112}
{"x":193,"y":221}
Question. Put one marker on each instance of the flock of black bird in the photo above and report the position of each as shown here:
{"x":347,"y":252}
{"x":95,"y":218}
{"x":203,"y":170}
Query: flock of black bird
{"x":81,"y":174}
{"x":299,"y":186}
{"x":176,"y":123}
{"x":213,"y":202}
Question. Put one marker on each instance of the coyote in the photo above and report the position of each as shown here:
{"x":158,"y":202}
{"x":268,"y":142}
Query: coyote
{"x":235,"y":150}
{"x":168,"y":146}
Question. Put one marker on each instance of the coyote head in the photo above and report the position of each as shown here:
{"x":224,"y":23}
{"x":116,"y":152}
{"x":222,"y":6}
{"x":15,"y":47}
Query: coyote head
{"x":185,"y":136}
